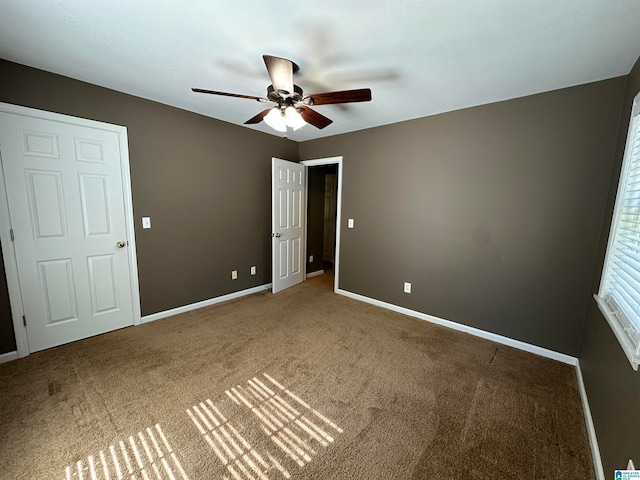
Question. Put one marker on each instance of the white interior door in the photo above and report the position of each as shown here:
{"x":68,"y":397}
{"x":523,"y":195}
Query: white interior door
{"x":67,"y":213}
{"x":288,"y":194}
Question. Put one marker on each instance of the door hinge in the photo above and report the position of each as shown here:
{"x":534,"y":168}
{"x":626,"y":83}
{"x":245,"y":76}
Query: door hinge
{"x":11,"y":232}
{"x":24,"y":320}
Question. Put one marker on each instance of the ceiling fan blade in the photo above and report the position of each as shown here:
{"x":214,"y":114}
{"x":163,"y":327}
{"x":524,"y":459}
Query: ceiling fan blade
{"x":345,"y":96}
{"x":258,"y":118}
{"x":280,"y":72}
{"x":314,"y":118}
{"x":237,"y":95}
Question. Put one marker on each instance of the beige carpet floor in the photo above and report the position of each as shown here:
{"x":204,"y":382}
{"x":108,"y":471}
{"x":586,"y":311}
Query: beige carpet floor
{"x":304,"y":384}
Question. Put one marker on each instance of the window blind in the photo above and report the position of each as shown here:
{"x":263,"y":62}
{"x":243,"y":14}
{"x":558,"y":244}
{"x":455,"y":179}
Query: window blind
{"x":620,"y":287}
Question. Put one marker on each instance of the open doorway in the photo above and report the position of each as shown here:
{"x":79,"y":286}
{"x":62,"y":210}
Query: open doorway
{"x":322,"y":193}
{"x":330,"y":211}
{"x":323,"y":216}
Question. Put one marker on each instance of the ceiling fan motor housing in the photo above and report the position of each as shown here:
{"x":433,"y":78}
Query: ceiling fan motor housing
{"x":279,"y":96}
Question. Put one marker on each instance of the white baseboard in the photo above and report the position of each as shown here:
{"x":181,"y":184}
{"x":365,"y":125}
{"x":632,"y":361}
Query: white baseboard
{"x":315,"y":274}
{"x":8,"y":357}
{"x":595,"y":449}
{"x":204,"y":303}
{"x":561,"y":357}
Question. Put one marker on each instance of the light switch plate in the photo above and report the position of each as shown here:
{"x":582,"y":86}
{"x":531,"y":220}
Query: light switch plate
{"x":350,"y":223}
{"x":310,"y":258}
{"x":146,"y":222}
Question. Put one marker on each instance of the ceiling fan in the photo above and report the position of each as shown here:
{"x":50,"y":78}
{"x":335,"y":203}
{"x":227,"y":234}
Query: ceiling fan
{"x":291,"y":104}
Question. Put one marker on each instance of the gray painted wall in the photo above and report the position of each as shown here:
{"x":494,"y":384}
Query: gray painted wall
{"x":204,"y":183}
{"x":612,"y":386}
{"x":479,"y":209}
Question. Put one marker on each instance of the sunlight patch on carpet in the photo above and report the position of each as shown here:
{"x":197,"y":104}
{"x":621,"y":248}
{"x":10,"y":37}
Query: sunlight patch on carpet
{"x":294,"y":426}
{"x":144,"y":456}
{"x":231,"y":448}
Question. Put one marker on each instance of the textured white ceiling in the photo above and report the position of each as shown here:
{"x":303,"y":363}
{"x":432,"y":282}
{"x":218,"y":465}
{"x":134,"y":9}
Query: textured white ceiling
{"x":419,"y":57}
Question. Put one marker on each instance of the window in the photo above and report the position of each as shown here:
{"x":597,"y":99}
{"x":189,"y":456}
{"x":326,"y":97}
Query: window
{"x":619,"y":295}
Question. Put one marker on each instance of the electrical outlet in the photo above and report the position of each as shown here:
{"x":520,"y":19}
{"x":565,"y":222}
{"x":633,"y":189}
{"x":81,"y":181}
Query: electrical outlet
{"x":253,"y":270}
{"x":310,"y":258}
{"x":234,"y":274}
{"x":407,"y":287}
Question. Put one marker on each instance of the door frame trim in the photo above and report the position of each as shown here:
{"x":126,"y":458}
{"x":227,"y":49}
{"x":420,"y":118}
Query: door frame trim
{"x":8,"y":252}
{"x":318,"y":163}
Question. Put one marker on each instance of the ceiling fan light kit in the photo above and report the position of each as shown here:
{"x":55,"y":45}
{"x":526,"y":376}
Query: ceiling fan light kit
{"x":275,"y":119}
{"x":293,"y":118}
{"x":279,"y":119}
{"x":292,"y":106}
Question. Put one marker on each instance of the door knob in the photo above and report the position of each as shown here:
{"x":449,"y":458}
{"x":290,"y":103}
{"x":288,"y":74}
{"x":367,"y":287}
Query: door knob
{"x":120,"y":244}
{"x":277,"y":235}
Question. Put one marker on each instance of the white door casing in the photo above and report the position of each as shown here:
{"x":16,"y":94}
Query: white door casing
{"x":288,"y":214}
{"x":66,"y":196}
